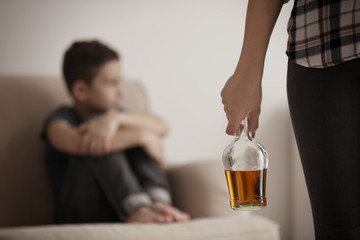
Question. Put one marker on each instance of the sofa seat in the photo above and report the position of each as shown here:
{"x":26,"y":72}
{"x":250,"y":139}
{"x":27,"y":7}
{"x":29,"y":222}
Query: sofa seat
{"x":216,"y":228}
{"x":26,"y":204}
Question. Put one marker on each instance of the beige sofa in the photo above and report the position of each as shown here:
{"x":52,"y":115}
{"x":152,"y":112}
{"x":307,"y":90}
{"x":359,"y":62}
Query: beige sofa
{"x":26,"y":203}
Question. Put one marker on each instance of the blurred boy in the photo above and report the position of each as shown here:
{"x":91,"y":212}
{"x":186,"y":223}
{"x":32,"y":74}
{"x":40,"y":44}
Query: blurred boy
{"x":104,"y":163}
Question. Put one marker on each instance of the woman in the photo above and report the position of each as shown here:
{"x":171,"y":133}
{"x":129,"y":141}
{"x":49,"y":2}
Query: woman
{"x":323,"y":87}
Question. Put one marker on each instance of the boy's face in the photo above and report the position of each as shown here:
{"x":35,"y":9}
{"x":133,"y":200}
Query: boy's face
{"x":104,"y":92}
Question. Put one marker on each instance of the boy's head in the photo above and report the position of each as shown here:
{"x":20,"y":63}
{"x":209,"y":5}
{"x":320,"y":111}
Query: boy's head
{"x":92,"y":74}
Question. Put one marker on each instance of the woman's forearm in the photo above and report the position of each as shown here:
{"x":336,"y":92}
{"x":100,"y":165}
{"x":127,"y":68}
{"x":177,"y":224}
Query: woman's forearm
{"x":242,"y":93}
{"x":260,"y":20}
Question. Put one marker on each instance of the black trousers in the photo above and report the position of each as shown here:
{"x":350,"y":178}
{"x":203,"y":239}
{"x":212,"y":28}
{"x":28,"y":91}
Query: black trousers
{"x":325,"y":112}
{"x":94,"y":188}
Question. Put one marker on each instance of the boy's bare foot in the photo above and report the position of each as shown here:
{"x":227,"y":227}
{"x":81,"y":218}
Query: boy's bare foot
{"x":146,"y":214}
{"x":170,"y":211}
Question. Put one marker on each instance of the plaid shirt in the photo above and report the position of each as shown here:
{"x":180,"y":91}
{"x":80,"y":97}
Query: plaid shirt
{"x":324,"y":33}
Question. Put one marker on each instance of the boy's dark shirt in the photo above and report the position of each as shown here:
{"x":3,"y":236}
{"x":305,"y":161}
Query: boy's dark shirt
{"x":56,"y":161}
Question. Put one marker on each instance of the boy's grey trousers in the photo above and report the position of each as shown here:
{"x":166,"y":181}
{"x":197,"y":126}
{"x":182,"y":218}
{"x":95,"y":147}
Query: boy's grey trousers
{"x":108,"y":188}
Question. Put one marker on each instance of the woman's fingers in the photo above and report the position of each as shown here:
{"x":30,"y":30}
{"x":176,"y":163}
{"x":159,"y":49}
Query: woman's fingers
{"x":253,"y":122}
{"x":234,"y":121}
{"x":232,"y":127}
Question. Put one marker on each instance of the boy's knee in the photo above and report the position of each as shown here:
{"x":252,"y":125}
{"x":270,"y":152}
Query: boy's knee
{"x":108,"y":161}
{"x":110,"y":157}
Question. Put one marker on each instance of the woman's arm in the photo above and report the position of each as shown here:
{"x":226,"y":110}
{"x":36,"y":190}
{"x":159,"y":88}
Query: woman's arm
{"x":242,"y":93}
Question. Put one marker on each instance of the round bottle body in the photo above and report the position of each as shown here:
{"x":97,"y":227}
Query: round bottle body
{"x":245,"y":162}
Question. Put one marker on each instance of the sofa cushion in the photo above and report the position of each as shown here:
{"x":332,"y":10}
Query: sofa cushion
{"x":200,"y":189}
{"x":221,"y":228}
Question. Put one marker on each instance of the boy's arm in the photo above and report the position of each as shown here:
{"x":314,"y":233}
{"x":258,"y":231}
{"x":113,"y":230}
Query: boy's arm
{"x":113,"y":119}
{"x":69,"y":139}
{"x":100,"y":131}
{"x":145,"y":121}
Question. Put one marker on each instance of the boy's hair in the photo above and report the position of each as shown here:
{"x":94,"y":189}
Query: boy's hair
{"x":83,"y":59}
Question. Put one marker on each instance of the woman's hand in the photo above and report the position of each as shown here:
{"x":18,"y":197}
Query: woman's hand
{"x":241,"y":97}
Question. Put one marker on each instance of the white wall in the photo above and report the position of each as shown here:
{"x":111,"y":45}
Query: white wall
{"x":183,"y":51}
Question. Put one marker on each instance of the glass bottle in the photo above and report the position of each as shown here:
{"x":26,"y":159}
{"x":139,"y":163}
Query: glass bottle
{"x":245,"y":162}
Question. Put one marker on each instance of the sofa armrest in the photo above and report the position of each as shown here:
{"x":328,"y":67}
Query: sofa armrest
{"x":200,"y":189}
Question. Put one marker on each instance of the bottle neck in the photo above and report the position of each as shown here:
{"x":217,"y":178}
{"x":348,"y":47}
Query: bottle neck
{"x":243,"y":131}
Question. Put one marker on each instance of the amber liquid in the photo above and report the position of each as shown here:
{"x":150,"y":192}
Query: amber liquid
{"x":247,"y":189}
